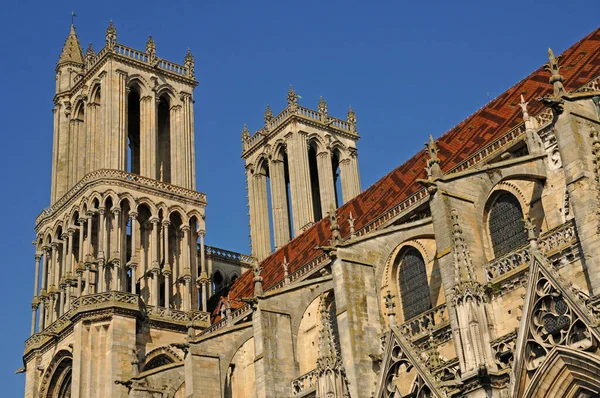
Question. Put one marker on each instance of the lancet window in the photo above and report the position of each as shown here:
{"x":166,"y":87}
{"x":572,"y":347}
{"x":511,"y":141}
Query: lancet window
{"x":506,"y":224}
{"x":414,"y":288}
{"x":133,"y":130}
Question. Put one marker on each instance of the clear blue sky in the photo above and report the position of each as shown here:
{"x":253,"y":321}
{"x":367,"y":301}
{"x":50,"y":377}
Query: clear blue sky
{"x":407,"y":68}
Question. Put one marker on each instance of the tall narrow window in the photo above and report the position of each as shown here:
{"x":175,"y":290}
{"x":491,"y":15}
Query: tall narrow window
{"x":133,"y":131}
{"x":288,"y":193}
{"x":506,"y":224}
{"x":337,"y":183}
{"x":314,"y":183}
{"x":414,"y":289}
{"x":164,"y":140}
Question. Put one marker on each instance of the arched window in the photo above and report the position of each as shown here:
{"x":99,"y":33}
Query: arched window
{"x":218,"y":281}
{"x":414,"y":289}
{"x":506,"y":224}
{"x":314,"y":183}
{"x":133,"y":131}
{"x":164,"y":140}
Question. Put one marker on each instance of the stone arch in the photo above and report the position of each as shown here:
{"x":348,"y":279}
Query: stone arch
{"x":128,"y":198}
{"x":317,"y":141}
{"x":168,"y":90}
{"x":240,"y":376}
{"x":148,"y":203}
{"x":56,"y":381}
{"x":95,"y":196}
{"x":57,"y":229}
{"x":109,"y":194}
{"x":567,"y":373}
{"x":138,"y":82}
{"x":159,"y":357}
{"x":176,"y":209}
{"x":279,"y":150}
{"x":307,"y":340}
{"x":95,"y":87}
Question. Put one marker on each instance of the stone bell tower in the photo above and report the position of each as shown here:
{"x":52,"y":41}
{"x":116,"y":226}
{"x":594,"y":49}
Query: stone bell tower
{"x":308,"y":161}
{"x":117,"y":270}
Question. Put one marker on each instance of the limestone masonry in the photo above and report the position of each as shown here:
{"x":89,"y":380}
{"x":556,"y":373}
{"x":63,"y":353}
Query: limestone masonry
{"x":471,"y":270}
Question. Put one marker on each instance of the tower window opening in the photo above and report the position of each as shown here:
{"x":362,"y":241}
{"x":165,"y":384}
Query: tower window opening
{"x":314,"y":183}
{"x":133,"y":132}
{"x":337,"y":181}
{"x":163,"y":164}
{"x":288,"y":194}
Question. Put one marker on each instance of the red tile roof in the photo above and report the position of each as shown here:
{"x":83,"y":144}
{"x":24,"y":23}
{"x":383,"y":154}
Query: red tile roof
{"x":580,"y":64}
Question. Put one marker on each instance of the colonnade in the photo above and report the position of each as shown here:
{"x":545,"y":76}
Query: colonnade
{"x":291,"y":165}
{"x":108,"y":249}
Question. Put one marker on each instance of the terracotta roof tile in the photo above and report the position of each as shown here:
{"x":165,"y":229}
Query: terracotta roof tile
{"x":580,"y":63}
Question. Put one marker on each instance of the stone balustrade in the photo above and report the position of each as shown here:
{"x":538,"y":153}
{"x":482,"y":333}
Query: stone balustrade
{"x":119,"y":175}
{"x":425,"y":322}
{"x":114,"y":299}
{"x":549,"y":242}
{"x":228,"y":256}
{"x":305,"y":383}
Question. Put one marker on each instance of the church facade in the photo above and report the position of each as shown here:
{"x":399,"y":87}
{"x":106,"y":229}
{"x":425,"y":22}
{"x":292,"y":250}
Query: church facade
{"x":471,"y":270}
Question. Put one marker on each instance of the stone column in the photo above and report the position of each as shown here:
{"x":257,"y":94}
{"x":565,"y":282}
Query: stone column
{"x":186,"y":266}
{"x":302,"y":209}
{"x":148,"y":136}
{"x":252,"y":210}
{"x":200,"y":280}
{"x":210,"y":272}
{"x":134,"y":260}
{"x":44,"y":291}
{"x":155,"y":268}
{"x":281,"y":221}
{"x":88,"y":239}
{"x":53,"y":290}
{"x":69,"y":268}
{"x":261,"y":221}
{"x":116,"y":272}
{"x":167,"y":271}
{"x":101,"y":233}
{"x":63,"y":280}
{"x":326,"y":184}
{"x":35,"y":302}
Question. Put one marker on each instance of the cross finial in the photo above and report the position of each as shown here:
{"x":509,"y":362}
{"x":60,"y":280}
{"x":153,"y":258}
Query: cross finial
{"x":73,"y":15}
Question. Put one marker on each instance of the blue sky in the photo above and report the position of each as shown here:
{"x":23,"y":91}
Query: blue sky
{"x":409,"y":69}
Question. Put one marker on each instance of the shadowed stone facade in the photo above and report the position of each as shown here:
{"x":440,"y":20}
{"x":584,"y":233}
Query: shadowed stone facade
{"x":472,"y":270}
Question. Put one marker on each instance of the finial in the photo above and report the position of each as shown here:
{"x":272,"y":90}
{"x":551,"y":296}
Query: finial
{"x":433,"y":163}
{"x":351,"y":119}
{"x":322,"y":108}
{"x":523,"y":106}
{"x":111,"y":36}
{"x":268,"y":114}
{"x":336,"y":237}
{"x":72,"y":49}
{"x":292,"y":97}
{"x":389,"y":305}
{"x":151,"y":50}
{"x":189,"y":63}
{"x":286,"y":271}
{"x":90,"y":54}
{"x":529,"y":224}
{"x":256,"y":270}
{"x":556,"y":78}
{"x":245,"y":137}
{"x":351,"y":224}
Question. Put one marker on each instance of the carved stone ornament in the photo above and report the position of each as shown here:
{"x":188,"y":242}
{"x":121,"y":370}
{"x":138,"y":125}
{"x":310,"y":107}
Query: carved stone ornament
{"x":111,"y":36}
{"x":403,"y":374}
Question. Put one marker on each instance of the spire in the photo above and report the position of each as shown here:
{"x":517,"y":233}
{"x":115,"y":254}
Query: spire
{"x":111,"y":36}
{"x":189,"y":63}
{"x":556,"y":78}
{"x":328,"y":358}
{"x":151,"y":50}
{"x":351,"y":118}
{"x":433,"y":163}
{"x":72,"y":49}
{"x":534,"y":143}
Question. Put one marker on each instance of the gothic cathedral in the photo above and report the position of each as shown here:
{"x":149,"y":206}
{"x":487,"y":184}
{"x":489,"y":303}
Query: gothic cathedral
{"x":471,"y":270}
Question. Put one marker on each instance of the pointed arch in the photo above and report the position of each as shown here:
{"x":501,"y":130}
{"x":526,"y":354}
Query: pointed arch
{"x":505,"y":223}
{"x":567,"y":373}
